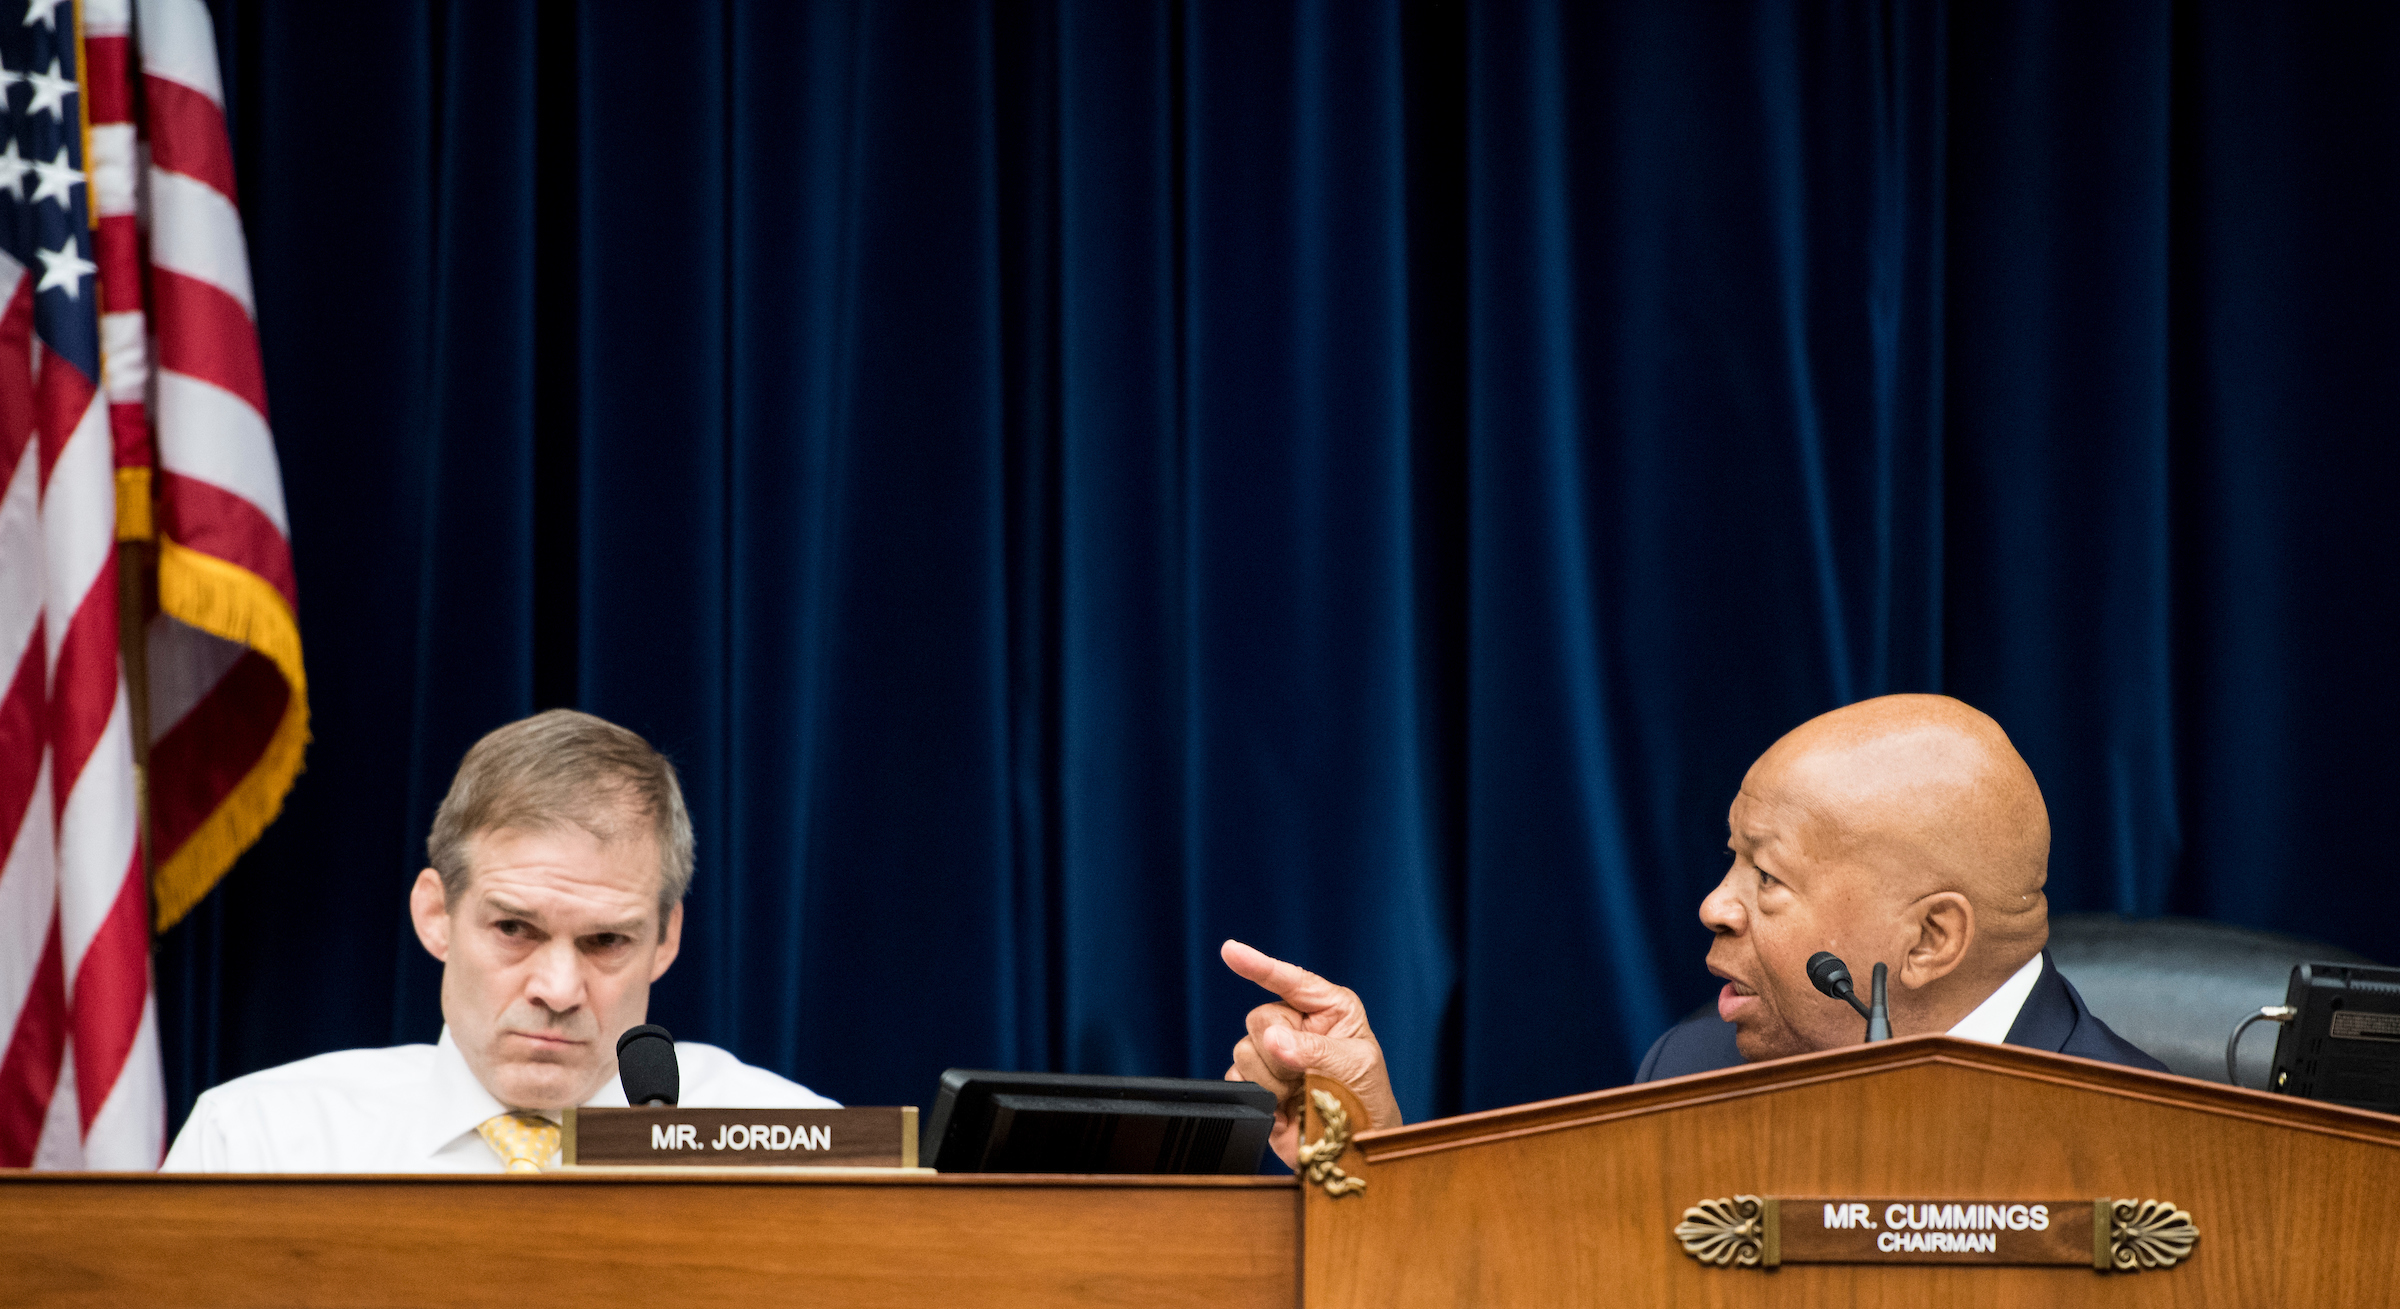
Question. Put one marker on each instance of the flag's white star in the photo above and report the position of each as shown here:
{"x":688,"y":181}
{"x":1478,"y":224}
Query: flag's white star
{"x":13,"y":169}
{"x":59,"y":178}
{"x":50,"y":92}
{"x":65,"y":268}
{"x":44,"y":11}
{"x":8,"y":77}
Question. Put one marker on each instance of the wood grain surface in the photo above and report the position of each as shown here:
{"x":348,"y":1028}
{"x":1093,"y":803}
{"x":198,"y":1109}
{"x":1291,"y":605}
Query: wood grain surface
{"x":1572,"y":1202}
{"x":732,"y":1238}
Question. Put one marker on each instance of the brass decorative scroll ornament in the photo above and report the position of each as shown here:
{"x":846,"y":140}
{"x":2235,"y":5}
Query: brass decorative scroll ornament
{"x":2146,"y":1234}
{"x":1317,"y":1157}
{"x":1727,"y":1232}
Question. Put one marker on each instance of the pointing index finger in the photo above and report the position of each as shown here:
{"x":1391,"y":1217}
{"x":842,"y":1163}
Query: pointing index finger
{"x":1300,"y":988}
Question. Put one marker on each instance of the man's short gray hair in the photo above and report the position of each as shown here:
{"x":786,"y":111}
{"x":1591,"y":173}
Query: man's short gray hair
{"x":557,"y":769}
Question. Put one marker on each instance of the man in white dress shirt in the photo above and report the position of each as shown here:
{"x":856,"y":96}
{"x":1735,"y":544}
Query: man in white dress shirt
{"x":560,"y":860}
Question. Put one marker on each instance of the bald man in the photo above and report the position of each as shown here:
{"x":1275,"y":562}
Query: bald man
{"x":1904,"y":830}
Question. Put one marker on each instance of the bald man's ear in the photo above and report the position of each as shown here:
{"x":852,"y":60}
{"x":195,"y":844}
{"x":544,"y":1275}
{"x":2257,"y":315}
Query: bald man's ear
{"x":1945,"y":923}
{"x":430,"y":911}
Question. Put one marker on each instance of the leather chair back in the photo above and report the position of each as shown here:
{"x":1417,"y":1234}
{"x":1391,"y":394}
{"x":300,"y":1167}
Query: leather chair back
{"x":2176,"y":986}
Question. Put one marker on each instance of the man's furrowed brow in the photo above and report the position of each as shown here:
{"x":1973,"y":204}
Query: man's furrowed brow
{"x":502,"y":907}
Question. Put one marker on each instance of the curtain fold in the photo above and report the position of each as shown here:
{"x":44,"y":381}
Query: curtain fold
{"x":1069,"y":482}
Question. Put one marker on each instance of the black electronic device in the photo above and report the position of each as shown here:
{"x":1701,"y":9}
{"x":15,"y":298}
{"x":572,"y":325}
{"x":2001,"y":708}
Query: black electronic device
{"x":646,"y":1066}
{"x":992,"y":1122}
{"x":2342,"y":1042}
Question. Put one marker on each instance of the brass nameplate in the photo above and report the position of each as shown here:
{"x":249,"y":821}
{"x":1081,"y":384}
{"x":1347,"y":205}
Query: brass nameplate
{"x":717,"y":1138}
{"x":1755,"y":1231}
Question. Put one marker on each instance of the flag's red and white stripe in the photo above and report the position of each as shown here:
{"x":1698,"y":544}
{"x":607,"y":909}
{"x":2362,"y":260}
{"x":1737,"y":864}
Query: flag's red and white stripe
{"x":115,"y":166}
{"x":228,"y":696}
{"x":171,"y":439}
{"x":80,"y":1082}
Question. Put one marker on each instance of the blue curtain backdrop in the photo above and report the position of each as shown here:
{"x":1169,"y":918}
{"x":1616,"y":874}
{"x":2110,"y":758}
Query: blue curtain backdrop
{"x":1073,"y":480}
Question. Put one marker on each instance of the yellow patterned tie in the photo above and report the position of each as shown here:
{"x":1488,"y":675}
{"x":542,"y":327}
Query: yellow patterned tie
{"x":525,"y":1142}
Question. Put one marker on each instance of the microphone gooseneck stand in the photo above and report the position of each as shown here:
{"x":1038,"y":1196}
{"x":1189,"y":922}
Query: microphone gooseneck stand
{"x":1831,"y":976}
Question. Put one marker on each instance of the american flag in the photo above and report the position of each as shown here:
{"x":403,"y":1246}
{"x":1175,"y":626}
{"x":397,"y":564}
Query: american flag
{"x":133,"y":410}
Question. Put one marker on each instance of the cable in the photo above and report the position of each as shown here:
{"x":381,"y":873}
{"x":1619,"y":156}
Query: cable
{"x":2274,"y":1013}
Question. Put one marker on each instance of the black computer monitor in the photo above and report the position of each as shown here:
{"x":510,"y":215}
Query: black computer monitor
{"x":2343,"y":1044}
{"x":991,"y":1122}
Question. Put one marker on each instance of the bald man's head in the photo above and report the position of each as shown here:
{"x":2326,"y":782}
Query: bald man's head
{"x":1904,"y":829}
{"x":1929,"y":792}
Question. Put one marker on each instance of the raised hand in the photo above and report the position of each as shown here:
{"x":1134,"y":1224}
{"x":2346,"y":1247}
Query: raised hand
{"x":1317,"y":1027}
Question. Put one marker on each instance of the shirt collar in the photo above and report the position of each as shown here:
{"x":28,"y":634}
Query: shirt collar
{"x":455,"y":1103}
{"x":1993,"y":1018}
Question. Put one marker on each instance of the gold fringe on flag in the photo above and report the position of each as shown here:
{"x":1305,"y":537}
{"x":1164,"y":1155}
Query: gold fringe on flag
{"x":231,"y":602}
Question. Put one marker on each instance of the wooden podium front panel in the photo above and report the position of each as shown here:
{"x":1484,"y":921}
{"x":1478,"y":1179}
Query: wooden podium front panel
{"x":565,"y":1239}
{"x":1573,"y":1202}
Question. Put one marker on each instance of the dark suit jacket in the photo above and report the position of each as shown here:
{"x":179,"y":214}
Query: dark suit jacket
{"x":2054,"y":1018}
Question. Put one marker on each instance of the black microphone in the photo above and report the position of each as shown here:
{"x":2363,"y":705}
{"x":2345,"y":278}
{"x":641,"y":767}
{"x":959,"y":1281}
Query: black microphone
{"x":647,"y":1068}
{"x":1832,"y":976}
